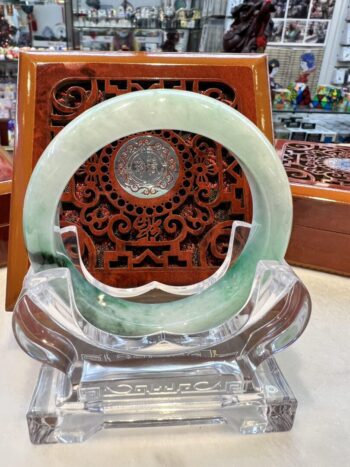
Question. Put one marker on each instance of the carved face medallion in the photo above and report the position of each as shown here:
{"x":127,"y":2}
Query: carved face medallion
{"x":338,"y":163}
{"x":146,"y":167}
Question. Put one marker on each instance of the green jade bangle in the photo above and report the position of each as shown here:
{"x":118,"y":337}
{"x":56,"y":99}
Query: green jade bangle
{"x":156,"y":110}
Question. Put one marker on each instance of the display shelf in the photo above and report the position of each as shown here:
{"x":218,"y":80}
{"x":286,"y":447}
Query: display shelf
{"x":317,"y":127}
{"x":306,"y":45}
{"x":136,"y":28}
{"x":8,"y":148}
{"x":310,"y":111}
{"x":137,"y":15}
{"x":190,"y":37}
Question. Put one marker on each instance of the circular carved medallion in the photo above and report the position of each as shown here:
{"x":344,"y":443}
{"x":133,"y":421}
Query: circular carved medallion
{"x":338,"y":163}
{"x":146,"y":167}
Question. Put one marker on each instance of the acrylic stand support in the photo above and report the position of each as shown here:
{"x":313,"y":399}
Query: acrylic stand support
{"x":88,"y":383}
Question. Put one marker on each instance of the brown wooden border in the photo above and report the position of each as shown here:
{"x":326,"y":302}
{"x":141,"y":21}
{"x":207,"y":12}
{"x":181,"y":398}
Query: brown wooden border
{"x":254,"y":99}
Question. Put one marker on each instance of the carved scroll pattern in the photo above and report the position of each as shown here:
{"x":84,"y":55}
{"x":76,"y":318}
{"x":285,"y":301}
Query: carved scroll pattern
{"x":183,"y":231}
{"x":308,"y":163}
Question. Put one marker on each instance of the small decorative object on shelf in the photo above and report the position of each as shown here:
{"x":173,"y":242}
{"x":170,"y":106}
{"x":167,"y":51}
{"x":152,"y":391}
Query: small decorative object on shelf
{"x":344,"y":54}
{"x":344,"y":104}
{"x":282,"y":99}
{"x":123,"y":40}
{"x":301,"y":94}
{"x":8,"y":105}
{"x":123,"y":357}
{"x":171,"y":41}
{"x":340,"y":76}
{"x":274,"y":67}
{"x":6,"y":32}
{"x":251,"y":27}
{"x":328,"y":98}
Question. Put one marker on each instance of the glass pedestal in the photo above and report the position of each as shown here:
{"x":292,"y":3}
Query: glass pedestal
{"x":89,"y":382}
{"x":125,"y":396}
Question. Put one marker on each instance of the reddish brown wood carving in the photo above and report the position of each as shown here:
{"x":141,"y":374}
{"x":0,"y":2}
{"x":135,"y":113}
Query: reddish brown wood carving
{"x":323,"y":165}
{"x":122,"y":244}
{"x":180,"y":237}
{"x":320,"y":182}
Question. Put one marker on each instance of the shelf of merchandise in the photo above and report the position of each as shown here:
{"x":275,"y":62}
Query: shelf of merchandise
{"x":305,"y":110}
{"x":9,"y":62}
{"x":341,"y":15}
{"x":137,"y":28}
{"x":74,"y":30}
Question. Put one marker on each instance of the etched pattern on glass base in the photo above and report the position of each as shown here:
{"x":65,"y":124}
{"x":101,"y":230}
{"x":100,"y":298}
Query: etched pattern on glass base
{"x":114,"y":397}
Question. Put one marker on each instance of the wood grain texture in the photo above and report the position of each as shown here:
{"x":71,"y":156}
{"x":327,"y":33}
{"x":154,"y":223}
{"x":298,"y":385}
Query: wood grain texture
{"x":307,"y":185}
{"x":319,"y":249}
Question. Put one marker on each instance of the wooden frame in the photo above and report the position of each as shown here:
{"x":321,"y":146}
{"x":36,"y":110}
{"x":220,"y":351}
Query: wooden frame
{"x":39,"y":73}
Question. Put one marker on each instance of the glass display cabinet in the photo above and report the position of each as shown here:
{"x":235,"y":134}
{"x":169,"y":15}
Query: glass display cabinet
{"x":168,"y":26}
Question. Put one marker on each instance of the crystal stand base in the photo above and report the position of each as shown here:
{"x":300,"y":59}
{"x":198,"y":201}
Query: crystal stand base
{"x":111,"y":396}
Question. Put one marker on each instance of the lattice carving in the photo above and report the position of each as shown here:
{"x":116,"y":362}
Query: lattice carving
{"x":71,"y":97}
{"x":179,"y":236}
{"x":317,"y":164}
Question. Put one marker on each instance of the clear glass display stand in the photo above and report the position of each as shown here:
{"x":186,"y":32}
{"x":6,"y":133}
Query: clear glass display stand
{"x":147,"y":356}
{"x":90,"y":381}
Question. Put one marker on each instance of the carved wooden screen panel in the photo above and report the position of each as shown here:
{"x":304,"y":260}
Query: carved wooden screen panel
{"x":177,"y":238}
{"x":320,"y":165}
